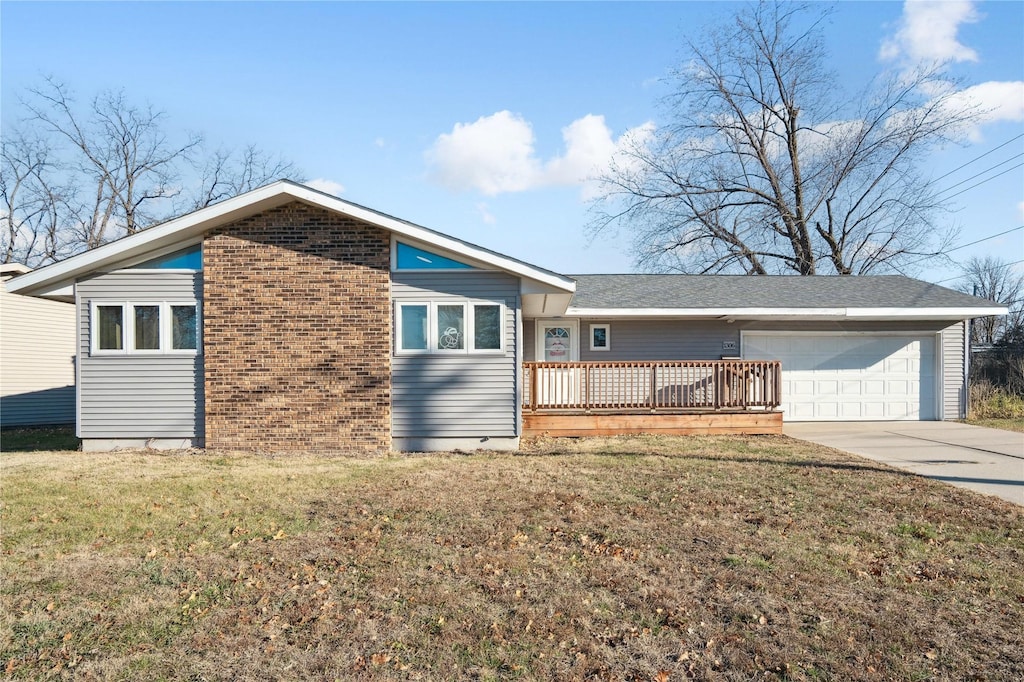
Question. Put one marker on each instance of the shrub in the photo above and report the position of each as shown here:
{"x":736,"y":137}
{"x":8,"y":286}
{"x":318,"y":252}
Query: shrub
{"x":992,"y":402}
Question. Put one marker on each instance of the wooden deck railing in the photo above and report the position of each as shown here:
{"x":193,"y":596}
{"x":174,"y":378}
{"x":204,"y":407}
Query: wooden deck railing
{"x":661,"y":385}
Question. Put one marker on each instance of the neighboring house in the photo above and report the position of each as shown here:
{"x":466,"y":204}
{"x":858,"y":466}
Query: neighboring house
{"x":37,"y":357}
{"x":288,"y":319}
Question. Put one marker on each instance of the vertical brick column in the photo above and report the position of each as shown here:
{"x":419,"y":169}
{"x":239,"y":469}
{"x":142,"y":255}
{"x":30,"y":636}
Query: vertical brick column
{"x":297,"y":333}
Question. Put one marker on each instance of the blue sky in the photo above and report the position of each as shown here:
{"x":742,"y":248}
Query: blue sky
{"x":482,"y":120}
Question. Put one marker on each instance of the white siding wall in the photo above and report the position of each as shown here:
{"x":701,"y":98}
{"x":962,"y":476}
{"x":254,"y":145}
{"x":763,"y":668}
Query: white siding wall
{"x":456,"y":396}
{"x":954,"y":385}
{"x":138,"y":396}
{"x":37,"y":361}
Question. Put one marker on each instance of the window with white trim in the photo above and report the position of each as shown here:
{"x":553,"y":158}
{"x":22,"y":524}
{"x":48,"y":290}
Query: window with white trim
{"x":449,"y":327}
{"x":600,"y":337}
{"x":145,"y":327}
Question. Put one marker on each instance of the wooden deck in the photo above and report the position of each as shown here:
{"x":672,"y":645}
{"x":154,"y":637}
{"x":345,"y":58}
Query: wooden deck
{"x":679,"y":397}
{"x":685,"y":424}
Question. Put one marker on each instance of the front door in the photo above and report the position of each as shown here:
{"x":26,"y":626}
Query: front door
{"x":558,"y":341}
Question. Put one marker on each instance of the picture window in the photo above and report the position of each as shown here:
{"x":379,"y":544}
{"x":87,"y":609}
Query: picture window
{"x":449,"y":327}
{"x":145,"y":328}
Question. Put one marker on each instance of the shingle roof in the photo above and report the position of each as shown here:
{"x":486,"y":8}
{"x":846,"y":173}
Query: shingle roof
{"x":770,"y":291}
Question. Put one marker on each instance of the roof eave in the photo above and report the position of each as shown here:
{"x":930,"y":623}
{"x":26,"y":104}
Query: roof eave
{"x":194,"y":224}
{"x":824,"y":314}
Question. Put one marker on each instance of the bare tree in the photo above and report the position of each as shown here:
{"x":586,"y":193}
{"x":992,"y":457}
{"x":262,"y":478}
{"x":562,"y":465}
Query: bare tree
{"x":763,"y":168}
{"x":31,"y":203}
{"x":995,"y":279}
{"x":225,"y":174}
{"x":123,"y":160}
{"x":73,"y":178}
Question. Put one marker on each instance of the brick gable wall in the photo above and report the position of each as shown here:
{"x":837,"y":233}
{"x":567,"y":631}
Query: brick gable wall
{"x":297,"y":333}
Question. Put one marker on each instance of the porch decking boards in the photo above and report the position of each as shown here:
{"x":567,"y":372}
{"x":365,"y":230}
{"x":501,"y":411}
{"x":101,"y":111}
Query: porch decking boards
{"x":679,"y":397}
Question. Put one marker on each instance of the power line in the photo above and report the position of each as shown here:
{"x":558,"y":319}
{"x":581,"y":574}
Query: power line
{"x":978,"y":175}
{"x":977,"y":158}
{"x":964,"y":246}
{"x":985,"y":180}
{"x":985,"y":239}
{"x":998,"y":267}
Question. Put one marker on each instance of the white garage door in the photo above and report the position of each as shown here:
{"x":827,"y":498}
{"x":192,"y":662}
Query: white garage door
{"x":851,"y":376}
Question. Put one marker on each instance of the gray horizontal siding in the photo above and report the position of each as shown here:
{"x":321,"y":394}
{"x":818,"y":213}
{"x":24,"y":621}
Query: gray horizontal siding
{"x":138,"y":396}
{"x":530,"y":340}
{"x":954,"y":385}
{"x":451,"y":396}
{"x":660,"y":339}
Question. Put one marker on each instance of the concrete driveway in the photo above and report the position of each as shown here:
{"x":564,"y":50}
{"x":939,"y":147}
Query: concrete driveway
{"x":990,"y":461}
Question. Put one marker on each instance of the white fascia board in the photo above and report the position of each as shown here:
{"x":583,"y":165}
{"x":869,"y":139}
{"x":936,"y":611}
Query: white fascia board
{"x":159,"y":236}
{"x":271,"y":196}
{"x":925,"y":313}
{"x":707,"y":312}
{"x":867,"y":314}
{"x":14,"y":269}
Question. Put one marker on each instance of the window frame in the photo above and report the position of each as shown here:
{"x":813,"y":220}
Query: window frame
{"x":399,"y":336}
{"x":434,"y":329}
{"x":94,"y":328}
{"x":128,"y":328}
{"x":168,"y":331}
{"x":469,"y":327}
{"x":607,"y":337}
{"x":461,"y":266}
{"x":471,"y":332}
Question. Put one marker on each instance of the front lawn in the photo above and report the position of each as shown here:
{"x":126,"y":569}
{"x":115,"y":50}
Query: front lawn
{"x":647,"y":558}
{"x":1004,"y":424}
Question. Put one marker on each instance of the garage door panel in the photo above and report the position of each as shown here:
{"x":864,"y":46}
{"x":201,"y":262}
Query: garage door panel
{"x":851,"y":410}
{"x":827,"y":410}
{"x":851,"y":376}
{"x":873,"y":387}
{"x":873,"y":409}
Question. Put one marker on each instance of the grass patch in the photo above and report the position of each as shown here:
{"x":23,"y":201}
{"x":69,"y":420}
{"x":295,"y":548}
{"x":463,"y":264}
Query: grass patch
{"x":1004,"y":424}
{"x":614,"y":558}
{"x":38,"y":438}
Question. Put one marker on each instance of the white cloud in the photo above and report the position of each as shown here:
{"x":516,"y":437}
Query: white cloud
{"x":326,"y":186}
{"x":494,"y":154}
{"x":497,"y":154}
{"x":927,"y":32}
{"x":997,"y":100}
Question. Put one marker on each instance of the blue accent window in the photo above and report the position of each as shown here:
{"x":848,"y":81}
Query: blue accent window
{"x":189,"y":259}
{"x":411,"y":258}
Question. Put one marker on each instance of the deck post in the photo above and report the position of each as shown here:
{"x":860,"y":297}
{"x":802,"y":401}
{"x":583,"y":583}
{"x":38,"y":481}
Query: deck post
{"x":654,"y":389}
{"x":586,"y":388}
{"x":533,"y":388}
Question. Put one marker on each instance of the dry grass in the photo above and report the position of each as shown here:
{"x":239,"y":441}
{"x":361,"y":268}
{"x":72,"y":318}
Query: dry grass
{"x":1004,"y":424}
{"x":989,"y":402}
{"x":629,"y":558}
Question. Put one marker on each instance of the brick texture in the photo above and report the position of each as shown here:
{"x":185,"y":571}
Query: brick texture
{"x":297,"y":333}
